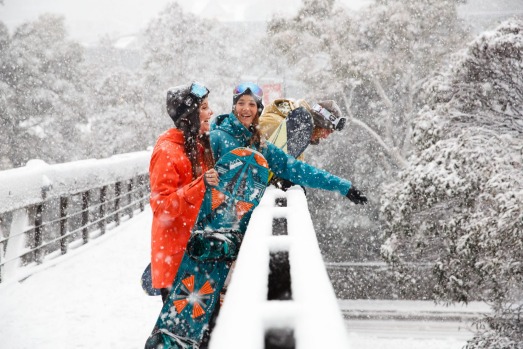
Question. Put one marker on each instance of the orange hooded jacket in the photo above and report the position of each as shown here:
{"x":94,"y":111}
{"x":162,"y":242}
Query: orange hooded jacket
{"x":175,"y":201}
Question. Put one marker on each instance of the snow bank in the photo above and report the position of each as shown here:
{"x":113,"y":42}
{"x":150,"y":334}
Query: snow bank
{"x":313,"y":313}
{"x":23,"y":186}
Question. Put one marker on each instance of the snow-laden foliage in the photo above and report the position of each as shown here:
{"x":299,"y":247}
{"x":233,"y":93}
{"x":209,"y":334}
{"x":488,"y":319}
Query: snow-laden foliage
{"x":58,"y":107}
{"x":43,"y":102}
{"x":373,"y":63}
{"x":459,"y":203}
{"x":119,"y":122}
{"x":178,"y":48}
{"x":504,"y":330}
{"x":181,"y":47}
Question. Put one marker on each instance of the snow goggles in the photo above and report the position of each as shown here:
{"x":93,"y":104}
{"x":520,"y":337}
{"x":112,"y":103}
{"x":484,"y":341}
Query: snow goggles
{"x":196,"y":94}
{"x":338,"y":123}
{"x":198,"y":90}
{"x":243,"y":87}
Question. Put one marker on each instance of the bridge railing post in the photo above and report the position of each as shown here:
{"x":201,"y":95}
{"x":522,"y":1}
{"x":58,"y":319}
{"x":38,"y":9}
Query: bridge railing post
{"x":85,"y":216}
{"x":117,"y":198}
{"x":280,"y":293}
{"x":64,"y":202}
{"x":102,"y":224}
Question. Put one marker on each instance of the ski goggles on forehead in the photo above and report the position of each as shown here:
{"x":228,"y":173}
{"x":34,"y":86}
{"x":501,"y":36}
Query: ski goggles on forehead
{"x":337,"y":122}
{"x":198,"y":90}
{"x":255,"y":89}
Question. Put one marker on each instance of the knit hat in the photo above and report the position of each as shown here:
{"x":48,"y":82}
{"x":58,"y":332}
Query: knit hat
{"x":327,"y":114}
{"x":184,"y":99}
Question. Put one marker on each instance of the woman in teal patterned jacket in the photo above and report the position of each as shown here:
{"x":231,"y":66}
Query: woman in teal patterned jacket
{"x":240,"y":129}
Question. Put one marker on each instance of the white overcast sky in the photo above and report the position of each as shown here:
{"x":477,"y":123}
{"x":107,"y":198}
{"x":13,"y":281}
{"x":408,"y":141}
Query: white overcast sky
{"x":88,"y":19}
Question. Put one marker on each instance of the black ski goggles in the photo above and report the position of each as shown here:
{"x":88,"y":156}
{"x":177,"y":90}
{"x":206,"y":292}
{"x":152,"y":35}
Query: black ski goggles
{"x":252,"y":87}
{"x":338,"y":123}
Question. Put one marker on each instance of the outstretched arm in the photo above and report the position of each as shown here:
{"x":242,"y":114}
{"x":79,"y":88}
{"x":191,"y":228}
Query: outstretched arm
{"x":287,"y":167}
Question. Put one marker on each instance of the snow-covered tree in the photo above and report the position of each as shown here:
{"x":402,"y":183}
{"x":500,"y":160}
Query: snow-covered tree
{"x":373,"y":63}
{"x":181,"y":47}
{"x":120,"y":123}
{"x":42,"y":103}
{"x":459,"y":204}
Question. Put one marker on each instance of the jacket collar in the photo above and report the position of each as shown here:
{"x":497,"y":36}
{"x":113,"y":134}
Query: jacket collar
{"x":229,"y":123}
{"x":274,"y":107}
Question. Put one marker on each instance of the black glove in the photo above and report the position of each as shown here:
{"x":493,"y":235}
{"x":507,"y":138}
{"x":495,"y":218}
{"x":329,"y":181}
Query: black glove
{"x":281,"y":183}
{"x":356,"y":196}
{"x":284,"y":184}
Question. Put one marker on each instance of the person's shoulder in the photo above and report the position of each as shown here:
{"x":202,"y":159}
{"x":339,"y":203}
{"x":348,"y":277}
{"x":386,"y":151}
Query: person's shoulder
{"x":279,"y":107}
{"x":165,"y":149}
{"x":217,"y":121}
{"x":218,"y":133}
{"x":170,"y":137}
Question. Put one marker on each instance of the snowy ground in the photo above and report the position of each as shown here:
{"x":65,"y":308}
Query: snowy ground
{"x":92,"y":299}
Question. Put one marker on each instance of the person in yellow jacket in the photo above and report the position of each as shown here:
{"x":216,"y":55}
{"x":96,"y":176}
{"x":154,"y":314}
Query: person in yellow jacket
{"x":326,"y":115}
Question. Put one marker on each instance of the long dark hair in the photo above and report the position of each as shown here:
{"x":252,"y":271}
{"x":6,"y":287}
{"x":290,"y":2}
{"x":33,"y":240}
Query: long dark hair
{"x":190,"y":126}
{"x":256,"y":138}
{"x":208,"y":158}
{"x":183,"y":106}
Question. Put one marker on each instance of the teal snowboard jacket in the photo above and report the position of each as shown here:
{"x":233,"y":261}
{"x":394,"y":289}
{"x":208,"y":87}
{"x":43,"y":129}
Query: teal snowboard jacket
{"x":228,"y":133}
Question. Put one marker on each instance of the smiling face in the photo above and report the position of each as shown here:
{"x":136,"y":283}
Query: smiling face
{"x":205,"y":116}
{"x":246,"y":110}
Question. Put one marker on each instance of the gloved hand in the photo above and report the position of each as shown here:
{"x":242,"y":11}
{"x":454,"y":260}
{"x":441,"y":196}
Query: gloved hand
{"x":281,"y":183}
{"x":356,"y":196}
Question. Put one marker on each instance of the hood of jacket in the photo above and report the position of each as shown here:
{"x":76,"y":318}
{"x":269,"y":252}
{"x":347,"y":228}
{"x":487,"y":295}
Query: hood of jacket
{"x":273,"y":115}
{"x":172,"y":135}
{"x":280,"y":107}
{"x":230,"y":124}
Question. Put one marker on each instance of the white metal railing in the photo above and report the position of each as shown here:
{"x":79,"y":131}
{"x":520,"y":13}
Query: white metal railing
{"x":46,"y":209}
{"x":280,"y":295}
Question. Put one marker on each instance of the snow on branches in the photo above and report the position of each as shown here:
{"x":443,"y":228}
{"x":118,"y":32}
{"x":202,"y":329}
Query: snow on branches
{"x":459,"y":204}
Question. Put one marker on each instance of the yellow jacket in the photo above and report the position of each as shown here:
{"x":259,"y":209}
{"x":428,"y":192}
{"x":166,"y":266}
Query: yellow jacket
{"x":274,"y":113}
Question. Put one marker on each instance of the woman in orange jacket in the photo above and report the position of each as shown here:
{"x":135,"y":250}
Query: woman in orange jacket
{"x":181,"y":167}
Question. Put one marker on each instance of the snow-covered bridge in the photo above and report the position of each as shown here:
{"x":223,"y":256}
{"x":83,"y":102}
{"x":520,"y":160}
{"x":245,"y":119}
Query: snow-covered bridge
{"x":280,"y":245}
{"x":79,"y":286}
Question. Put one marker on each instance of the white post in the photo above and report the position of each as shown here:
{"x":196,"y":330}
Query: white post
{"x":16,"y":243}
{"x":312,"y":314}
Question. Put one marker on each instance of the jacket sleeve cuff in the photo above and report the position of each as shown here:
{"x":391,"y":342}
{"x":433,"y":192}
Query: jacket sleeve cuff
{"x":194,"y":191}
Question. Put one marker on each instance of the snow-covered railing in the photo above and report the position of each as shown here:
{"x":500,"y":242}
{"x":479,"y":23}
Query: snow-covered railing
{"x":378,"y":280}
{"x":46,"y":209}
{"x":280,"y":295}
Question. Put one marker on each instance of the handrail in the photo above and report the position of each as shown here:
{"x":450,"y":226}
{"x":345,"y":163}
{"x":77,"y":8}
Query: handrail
{"x":280,"y":291}
{"x":91,"y":207}
{"x":69,"y":233}
{"x":76,"y":201}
